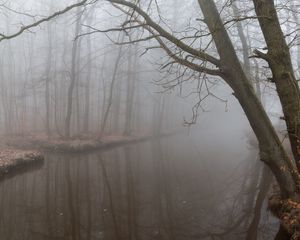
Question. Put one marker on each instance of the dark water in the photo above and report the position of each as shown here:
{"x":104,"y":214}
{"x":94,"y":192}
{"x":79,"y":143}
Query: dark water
{"x":160,"y":189}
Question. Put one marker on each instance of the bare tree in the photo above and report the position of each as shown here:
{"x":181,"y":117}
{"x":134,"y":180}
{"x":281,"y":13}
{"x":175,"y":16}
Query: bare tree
{"x":88,"y":78}
{"x":229,"y":68}
{"x":73,"y":74}
{"x":112,"y":85}
{"x":279,"y":60}
{"x":131,"y":79}
{"x":47,"y":74}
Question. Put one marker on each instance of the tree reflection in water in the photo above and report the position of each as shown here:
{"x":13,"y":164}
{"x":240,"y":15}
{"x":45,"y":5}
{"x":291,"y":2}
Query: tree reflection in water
{"x":151,"y":190}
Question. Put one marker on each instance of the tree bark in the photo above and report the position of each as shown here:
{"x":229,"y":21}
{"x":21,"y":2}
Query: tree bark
{"x":271,"y":150}
{"x":279,"y":60}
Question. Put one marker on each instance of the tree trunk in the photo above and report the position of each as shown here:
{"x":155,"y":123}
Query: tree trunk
{"x":245,"y":47}
{"x":111,"y":88}
{"x":271,"y":150}
{"x":47,"y":79}
{"x":131,"y":78}
{"x":73,"y":78}
{"x":116,"y":108}
{"x":279,"y":60}
{"x":88,"y":81}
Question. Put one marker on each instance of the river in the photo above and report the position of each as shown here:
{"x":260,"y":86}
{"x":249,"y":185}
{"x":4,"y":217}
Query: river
{"x":160,"y":189}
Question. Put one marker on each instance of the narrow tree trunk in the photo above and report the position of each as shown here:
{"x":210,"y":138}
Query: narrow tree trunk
{"x":116,"y":108}
{"x":88,"y":83}
{"x":77,"y":126}
{"x":297,"y":21}
{"x":111,"y":88}
{"x":47,"y":79}
{"x":131,"y":78}
{"x":245,"y":46}
{"x":73,"y":77}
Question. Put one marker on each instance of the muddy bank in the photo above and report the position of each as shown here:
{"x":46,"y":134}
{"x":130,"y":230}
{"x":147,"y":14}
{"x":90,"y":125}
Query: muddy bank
{"x":77,"y":145}
{"x":15,"y":161}
{"x":288,"y":212}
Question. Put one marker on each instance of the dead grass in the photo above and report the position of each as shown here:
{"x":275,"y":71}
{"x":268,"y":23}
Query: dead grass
{"x":56,"y":144}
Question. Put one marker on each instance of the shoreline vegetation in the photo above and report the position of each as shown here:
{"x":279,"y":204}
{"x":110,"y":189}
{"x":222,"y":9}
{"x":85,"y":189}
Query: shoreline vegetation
{"x":74,"y":145}
{"x":22,"y":153}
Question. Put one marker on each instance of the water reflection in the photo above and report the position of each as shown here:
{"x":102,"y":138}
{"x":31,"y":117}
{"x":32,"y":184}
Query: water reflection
{"x":146,"y":191}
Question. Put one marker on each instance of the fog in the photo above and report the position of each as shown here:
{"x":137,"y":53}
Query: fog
{"x":152,"y":118}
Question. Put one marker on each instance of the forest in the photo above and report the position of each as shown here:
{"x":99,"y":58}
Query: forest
{"x":150,"y":119}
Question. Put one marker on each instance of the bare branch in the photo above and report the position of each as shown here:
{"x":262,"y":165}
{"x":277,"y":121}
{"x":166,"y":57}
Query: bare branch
{"x":243,"y":18}
{"x":186,"y":63}
{"x":95,"y":30}
{"x":137,"y":40}
{"x":17,"y":12}
{"x":259,"y":54}
{"x":46,"y":19}
{"x":163,"y":33}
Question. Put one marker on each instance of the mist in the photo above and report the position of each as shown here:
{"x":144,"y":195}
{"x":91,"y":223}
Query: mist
{"x":137,"y":120}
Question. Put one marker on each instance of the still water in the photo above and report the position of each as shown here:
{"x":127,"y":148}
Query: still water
{"x":161,"y":189}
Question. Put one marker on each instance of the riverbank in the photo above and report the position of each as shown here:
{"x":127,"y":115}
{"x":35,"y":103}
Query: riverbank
{"x":75,"y":145}
{"x":12,"y":161}
{"x":18,"y":153}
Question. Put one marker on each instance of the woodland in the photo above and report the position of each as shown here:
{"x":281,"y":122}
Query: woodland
{"x":109,"y":96}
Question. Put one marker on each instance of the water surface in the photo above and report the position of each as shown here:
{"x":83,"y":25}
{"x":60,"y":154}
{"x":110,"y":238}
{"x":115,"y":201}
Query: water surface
{"x":161,"y":189}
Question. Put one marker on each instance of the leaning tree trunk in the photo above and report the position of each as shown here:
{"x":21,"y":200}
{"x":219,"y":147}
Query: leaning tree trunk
{"x":279,"y":60}
{"x":271,"y":149}
{"x":266,"y":177}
